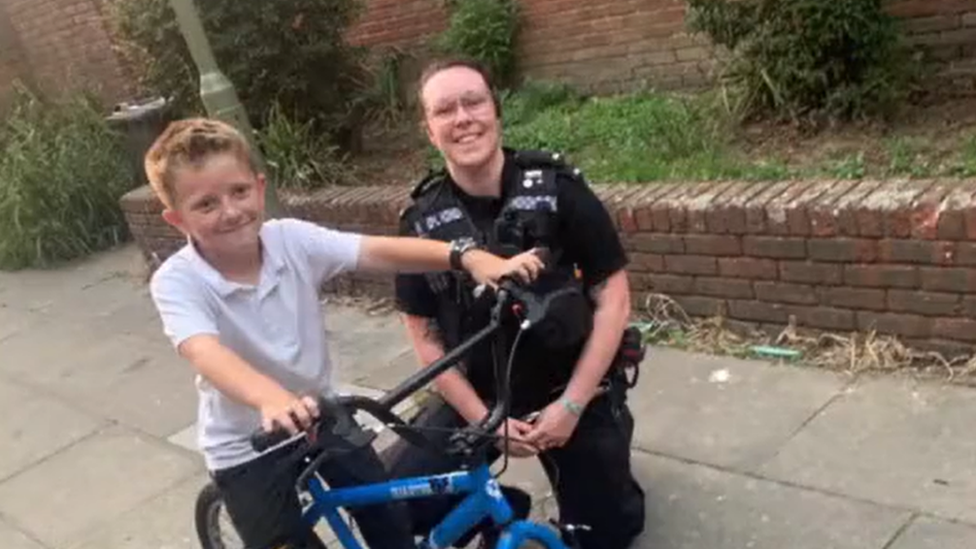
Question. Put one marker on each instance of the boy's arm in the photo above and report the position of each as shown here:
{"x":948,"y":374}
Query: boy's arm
{"x":237,"y":379}
{"x":418,"y":255}
{"x":333,"y":252}
{"x":190,"y":321}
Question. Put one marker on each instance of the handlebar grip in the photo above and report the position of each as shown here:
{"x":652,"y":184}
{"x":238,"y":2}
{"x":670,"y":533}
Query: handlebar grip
{"x":261,"y":440}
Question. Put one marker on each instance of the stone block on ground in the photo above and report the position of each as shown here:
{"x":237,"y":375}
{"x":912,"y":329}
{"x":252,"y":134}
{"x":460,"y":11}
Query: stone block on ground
{"x":893,"y":441}
{"x":720,"y":410}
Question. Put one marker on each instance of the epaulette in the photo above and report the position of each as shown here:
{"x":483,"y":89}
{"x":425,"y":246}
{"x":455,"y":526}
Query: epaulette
{"x":545,"y":159}
{"x":433,"y":178}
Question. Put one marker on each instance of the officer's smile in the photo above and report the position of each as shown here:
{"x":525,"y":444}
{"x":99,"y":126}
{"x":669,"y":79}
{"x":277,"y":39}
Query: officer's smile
{"x":468,"y":138}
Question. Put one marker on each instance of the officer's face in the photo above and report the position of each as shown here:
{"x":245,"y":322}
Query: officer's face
{"x":461,"y":118}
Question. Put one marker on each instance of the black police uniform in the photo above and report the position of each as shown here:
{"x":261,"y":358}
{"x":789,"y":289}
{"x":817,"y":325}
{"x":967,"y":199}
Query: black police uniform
{"x":544,"y":202}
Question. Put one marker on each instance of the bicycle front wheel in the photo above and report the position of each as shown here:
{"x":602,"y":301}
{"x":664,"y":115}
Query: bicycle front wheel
{"x":214,"y":528}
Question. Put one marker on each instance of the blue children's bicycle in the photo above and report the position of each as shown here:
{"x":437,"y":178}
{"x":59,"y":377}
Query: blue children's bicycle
{"x":483,"y":498}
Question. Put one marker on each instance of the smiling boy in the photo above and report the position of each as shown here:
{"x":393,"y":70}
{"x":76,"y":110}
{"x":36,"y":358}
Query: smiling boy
{"x":240,"y":302}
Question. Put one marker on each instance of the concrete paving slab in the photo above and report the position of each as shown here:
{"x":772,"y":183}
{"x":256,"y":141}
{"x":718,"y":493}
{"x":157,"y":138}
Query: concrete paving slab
{"x":91,"y":484}
{"x":893,"y":441}
{"x":53,"y":352}
{"x":156,"y":395}
{"x":392,"y":373}
{"x":14,"y":321}
{"x":929,"y":533}
{"x":136,"y":381}
{"x":33,"y":427}
{"x":164,"y":522}
{"x":43,"y":289}
{"x":721,"y":410}
{"x":361,"y":345}
{"x":11,"y":538}
{"x":696,"y":507}
{"x":185,"y":438}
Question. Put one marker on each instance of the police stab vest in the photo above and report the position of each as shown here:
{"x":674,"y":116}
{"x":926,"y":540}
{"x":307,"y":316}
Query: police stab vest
{"x":528,"y":219}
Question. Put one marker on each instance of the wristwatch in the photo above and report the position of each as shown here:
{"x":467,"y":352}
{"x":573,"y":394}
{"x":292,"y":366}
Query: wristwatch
{"x":460,"y":247}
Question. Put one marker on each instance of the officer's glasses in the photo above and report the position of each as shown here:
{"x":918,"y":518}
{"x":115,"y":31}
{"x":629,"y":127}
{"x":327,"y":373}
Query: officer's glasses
{"x":472,"y":103}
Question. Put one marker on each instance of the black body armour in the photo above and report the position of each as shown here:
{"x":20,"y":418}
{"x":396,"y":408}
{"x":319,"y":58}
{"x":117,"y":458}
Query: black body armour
{"x":528,"y":219}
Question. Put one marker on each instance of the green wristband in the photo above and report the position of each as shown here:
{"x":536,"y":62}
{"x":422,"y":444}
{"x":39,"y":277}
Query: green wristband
{"x":571,"y":406}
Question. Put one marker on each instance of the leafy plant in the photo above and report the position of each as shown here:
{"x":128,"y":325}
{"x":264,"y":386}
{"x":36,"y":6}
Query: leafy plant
{"x":382,"y":97}
{"x":298,"y":158}
{"x":965,"y":166}
{"x":851,"y":166}
{"x":485,"y":30}
{"x":533,"y":97}
{"x":62,"y":173}
{"x":291,"y":52}
{"x":803,"y":58}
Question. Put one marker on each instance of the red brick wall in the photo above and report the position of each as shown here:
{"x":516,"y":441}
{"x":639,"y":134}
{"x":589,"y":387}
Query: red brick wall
{"x":65,"y":46}
{"x":398,"y":22}
{"x":609,"y":45}
{"x":898,"y":257}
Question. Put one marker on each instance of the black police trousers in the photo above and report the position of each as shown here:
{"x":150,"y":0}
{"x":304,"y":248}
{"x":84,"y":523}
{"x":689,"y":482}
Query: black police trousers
{"x":591,"y":474}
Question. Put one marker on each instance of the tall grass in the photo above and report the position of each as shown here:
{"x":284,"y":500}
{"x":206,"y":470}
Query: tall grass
{"x":637,"y":137}
{"x":62,"y":173}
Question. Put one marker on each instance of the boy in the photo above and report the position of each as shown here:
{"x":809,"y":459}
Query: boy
{"x":240,"y":303}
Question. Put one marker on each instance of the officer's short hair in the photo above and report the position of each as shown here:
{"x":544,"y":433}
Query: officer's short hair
{"x":443,"y":64}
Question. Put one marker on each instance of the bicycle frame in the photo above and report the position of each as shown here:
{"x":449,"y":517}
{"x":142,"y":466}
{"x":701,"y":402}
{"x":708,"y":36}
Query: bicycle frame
{"x":484,"y":496}
{"x":484,"y":500}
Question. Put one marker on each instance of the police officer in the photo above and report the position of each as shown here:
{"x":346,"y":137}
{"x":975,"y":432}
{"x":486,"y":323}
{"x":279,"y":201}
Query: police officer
{"x":520,"y":202}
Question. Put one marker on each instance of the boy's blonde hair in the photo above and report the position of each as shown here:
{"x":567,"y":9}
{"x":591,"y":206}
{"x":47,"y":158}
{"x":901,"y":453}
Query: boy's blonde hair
{"x":191,"y":142}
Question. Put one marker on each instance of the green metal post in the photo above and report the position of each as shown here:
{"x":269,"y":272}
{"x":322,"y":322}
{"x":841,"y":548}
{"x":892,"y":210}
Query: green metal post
{"x":216,"y":90}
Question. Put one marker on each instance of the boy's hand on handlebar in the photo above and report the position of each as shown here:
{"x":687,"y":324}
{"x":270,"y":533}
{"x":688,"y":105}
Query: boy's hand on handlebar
{"x":516,"y":442}
{"x":489,"y":269}
{"x":294,"y":414}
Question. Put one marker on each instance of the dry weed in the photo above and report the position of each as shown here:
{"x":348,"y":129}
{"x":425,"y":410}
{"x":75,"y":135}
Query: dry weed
{"x":667,"y":323}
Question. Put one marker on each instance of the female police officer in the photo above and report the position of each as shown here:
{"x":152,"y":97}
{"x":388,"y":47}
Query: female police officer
{"x":513,"y":201}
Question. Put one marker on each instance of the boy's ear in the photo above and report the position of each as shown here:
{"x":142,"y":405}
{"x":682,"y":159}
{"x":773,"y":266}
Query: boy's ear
{"x":174,"y":218}
{"x":260,"y":182}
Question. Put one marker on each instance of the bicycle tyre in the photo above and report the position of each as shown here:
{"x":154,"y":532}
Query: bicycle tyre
{"x":207,"y":518}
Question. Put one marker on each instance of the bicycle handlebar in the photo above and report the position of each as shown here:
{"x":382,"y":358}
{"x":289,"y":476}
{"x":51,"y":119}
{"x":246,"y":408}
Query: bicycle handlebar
{"x":338,"y":410}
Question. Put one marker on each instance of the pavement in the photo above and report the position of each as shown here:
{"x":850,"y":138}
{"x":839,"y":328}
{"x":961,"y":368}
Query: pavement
{"x":97,"y":413}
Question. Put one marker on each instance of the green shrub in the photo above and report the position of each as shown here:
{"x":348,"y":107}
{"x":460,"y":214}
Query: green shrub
{"x":485,"y":30}
{"x":291,"y":52}
{"x":62,"y":173}
{"x":297,"y":157}
{"x":805,"y":58}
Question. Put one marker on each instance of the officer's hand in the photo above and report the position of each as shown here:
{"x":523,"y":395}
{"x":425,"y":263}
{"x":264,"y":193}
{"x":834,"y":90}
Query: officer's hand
{"x":516,"y":443}
{"x":553,"y":428}
{"x":488,"y":269}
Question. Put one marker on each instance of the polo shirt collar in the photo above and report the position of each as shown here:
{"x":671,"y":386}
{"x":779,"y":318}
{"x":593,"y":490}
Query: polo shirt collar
{"x":271,"y":266}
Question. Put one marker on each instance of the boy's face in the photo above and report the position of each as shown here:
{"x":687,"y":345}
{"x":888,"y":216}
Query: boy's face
{"x":461,"y":118}
{"x":219,"y":204}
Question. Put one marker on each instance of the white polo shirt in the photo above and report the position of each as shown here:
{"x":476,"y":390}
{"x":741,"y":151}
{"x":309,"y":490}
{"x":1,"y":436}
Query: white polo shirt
{"x":276,"y":326}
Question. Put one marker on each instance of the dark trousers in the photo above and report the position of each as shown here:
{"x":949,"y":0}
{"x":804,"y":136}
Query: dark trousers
{"x":591,"y":474}
{"x":261,"y":500}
